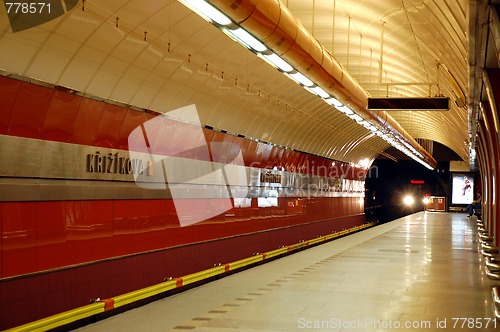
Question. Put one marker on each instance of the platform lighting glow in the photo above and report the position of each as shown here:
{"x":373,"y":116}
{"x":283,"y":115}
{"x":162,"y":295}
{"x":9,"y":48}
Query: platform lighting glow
{"x":365,"y":124}
{"x":472,"y":152}
{"x":364,"y":163}
{"x":243,"y":37}
{"x":426,"y":200}
{"x":346,"y":110}
{"x":408,"y":200}
{"x":207,"y":11}
{"x":334,"y":102}
{"x":356,"y":117}
{"x":277,"y":62}
{"x":320,"y":92}
{"x":301,"y":79}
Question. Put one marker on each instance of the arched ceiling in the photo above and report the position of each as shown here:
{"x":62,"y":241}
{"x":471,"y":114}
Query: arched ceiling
{"x":160,"y":55}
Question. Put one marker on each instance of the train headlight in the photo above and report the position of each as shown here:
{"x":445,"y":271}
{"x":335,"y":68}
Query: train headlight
{"x":408,"y":200}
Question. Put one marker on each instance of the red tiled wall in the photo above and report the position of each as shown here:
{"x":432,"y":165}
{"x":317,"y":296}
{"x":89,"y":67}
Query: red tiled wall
{"x":39,"y":236}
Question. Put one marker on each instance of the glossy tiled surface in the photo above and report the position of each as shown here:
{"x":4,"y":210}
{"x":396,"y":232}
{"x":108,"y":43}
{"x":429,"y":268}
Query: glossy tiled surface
{"x":423,"y":270}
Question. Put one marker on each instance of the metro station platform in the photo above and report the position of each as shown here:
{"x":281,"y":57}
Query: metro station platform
{"x":421,"y":272}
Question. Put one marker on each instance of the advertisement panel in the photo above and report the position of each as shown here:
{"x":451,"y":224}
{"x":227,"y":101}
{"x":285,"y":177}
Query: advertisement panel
{"x":462,"y":188}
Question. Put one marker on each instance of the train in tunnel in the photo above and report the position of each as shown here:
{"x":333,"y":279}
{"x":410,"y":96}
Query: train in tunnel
{"x":98,"y":199}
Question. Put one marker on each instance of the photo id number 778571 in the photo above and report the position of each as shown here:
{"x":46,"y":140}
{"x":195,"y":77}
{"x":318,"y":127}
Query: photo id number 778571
{"x":27,"y":7}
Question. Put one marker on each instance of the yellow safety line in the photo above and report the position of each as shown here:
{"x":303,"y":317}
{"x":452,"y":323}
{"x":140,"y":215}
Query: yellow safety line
{"x":277,"y":252}
{"x":62,"y":318}
{"x":205,"y":274}
{"x":143,"y":293}
{"x":245,"y":262}
{"x":89,"y":310}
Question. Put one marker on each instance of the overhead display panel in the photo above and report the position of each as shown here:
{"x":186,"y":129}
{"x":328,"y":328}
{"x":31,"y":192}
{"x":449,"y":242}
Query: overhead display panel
{"x":412,"y":104}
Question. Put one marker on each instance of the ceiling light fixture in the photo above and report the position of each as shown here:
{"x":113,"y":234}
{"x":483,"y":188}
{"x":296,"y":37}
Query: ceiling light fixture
{"x":334,"y":102}
{"x":207,"y":11}
{"x":277,"y":62}
{"x":346,"y":110}
{"x":319,"y":92}
{"x":301,"y":79}
{"x":243,"y":37}
{"x":356,"y":117}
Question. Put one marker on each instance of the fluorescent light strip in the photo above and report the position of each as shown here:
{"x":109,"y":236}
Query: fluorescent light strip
{"x":247,"y":39}
{"x":320,"y":92}
{"x":365,"y":124}
{"x":207,"y":11}
{"x":406,"y":148}
{"x":334,"y":102}
{"x":301,"y":79}
{"x":356,"y":117}
{"x":277,"y":62}
{"x":346,"y":110}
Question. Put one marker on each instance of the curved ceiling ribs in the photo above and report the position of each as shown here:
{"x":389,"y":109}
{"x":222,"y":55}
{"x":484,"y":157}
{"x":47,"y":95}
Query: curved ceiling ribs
{"x":278,"y":29}
{"x":397,"y":48}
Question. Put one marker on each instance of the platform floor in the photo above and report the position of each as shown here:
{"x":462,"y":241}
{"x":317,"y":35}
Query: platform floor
{"x":422,"y":271}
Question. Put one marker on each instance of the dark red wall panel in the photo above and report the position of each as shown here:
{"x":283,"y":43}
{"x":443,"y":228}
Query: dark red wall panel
{"x":132,"y":120}
{"x":122,"y":227}
{"x":158,"y":132}
{"x":39,"y":236}
{"x":78,"y":224}
{"x":60,"y":118}
{"x":29,"y":111}
{"x":51,"y":236}
{"x":9,"y":89}
{"x":87,"y":120}
{"x":109,"y":127}
{"x":19,"y":238}
{"x":101,"y":229}
{"x":250,"y":153}
{"x":2,"y":211}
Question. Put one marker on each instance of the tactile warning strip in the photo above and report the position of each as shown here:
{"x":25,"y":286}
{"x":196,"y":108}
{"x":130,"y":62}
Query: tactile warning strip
{"x":239,"y":301}
{"x":217,"y":312}
{"x":399,"y":251}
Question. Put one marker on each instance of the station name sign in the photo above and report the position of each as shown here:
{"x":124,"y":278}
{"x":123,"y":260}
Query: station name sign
{"x":114,"y":163}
